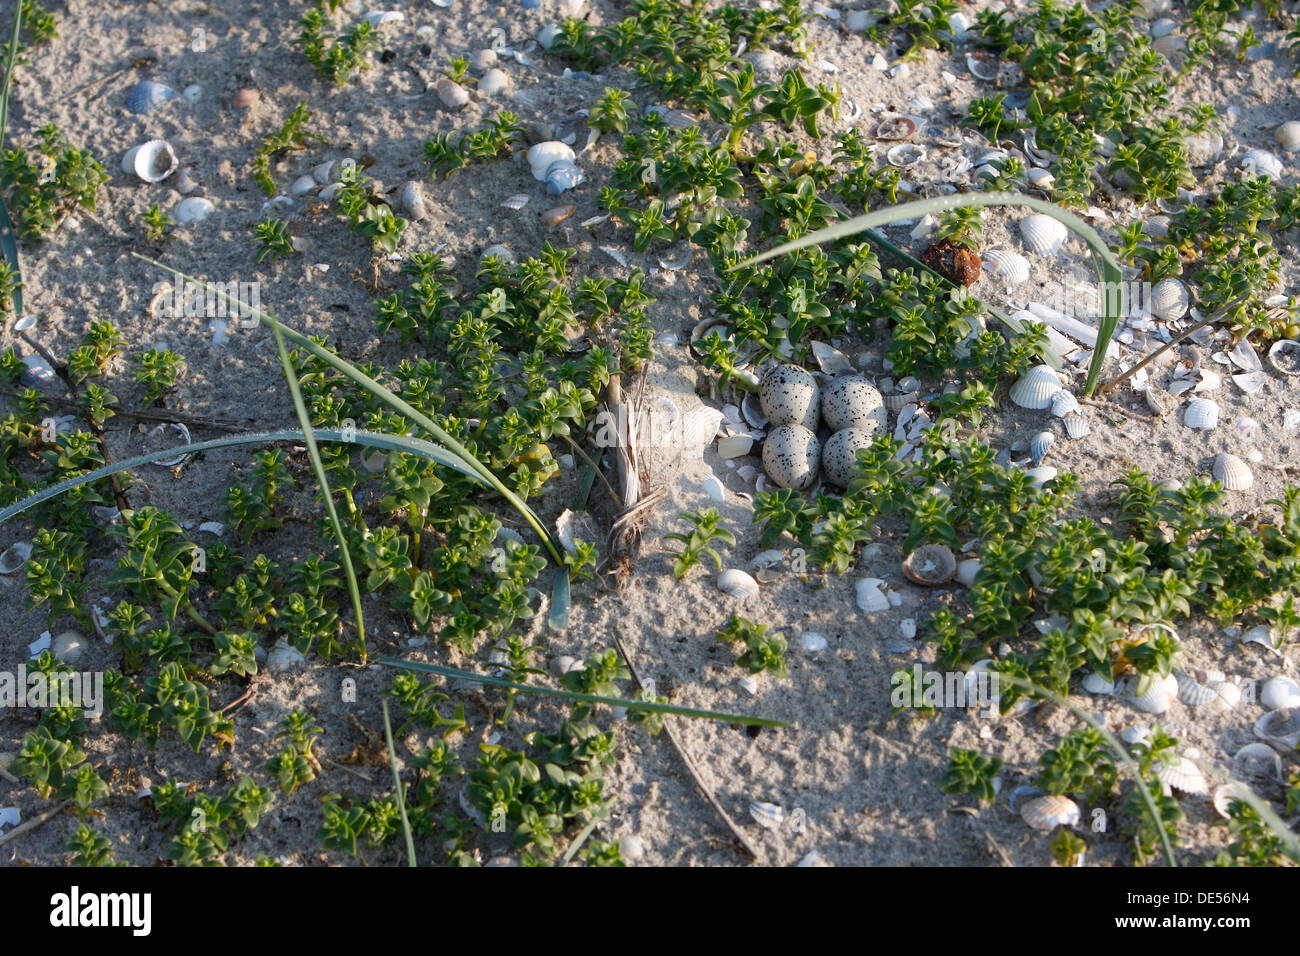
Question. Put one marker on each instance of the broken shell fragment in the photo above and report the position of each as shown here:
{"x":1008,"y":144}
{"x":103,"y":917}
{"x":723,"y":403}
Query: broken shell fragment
{"x":930,"y":565}
{"x":1257,"y":763}
{"x":737,"y":583}
{"x":1064,"y":403}
{"x":1050,"y":811}
{"x":563,"y":176}
{"x":1260,"y":162}
{"x":1232,"y":472}
{"x":871,"y":596}
{"x":193,"y":210}
{"x":412,"y":199}
{"x":1280,"y":727}
{"x":14,"y":557}
{"x":767,"y":815}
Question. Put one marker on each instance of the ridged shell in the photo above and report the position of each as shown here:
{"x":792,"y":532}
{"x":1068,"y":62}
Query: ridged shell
{"x":1192,"y":693}
{"x":1039,"y":446}
{"x":769,"y":816}
{"x":931,"y":565}
{"x":1076,"y":426}
{"x":699,"y":427}
{"x":790,"y":396}
{"x":1279,"y":693}
{"x":1043,"y":235}
{"x":1012,"y":266}
{"x":14,"y":557}
{"x":146,"y":95}
{"x":840,"y":453}
{"x":1158,"y":697}
{"x":871,"y":596}
{"x":1050,"y":811}
{"x":1064,"y":403}
{"x":1179,"y":773}
{"x":791,"y":454}
{"x":737,"y":583}
{"x":1201,"y":413}
{"x":1288,"y":136}
{"x":517,"y":201}
{"x":1169,"y":299}
{"x":543,"y":155}
{"x":853,"y":403}
{"x":1036,"y":388}
{"x":1232,"y":473}
{"x":1280,"y":727}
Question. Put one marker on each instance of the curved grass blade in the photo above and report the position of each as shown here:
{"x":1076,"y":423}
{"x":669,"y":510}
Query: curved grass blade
{"x":397,"y":788}
{"x":8,"y":245}
{"x":1109,"y":277}
{"x":404,"y":443}
{"x":645,"y":705}
{"x":386,"y":396}
{"x":317,"y":466}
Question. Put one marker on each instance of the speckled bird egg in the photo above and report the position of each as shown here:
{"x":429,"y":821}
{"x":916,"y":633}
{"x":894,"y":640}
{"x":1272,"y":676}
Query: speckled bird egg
{"x":790,"y":396}
{"x":841,"y":451}
{"x":790,"y":456}
{"x":853,"y":403}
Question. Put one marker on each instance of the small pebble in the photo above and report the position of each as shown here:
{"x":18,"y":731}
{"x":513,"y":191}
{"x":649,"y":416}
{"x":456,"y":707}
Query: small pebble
{"x":246,"y":99}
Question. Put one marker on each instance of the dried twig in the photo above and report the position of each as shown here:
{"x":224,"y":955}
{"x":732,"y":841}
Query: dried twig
{"x":35,"y":822}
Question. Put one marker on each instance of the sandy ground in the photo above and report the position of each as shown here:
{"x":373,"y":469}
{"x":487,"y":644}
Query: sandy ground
{"x":867,"y":783}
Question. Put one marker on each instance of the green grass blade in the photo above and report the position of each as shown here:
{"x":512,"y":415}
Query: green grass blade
{"x":1108,"y":271}
{"x":322,"y":479}
{"x":397,"y":788}
{"x":8,"y":244}
{"x":561,"y":599}
{"x":10,"y":59}
{"x":645,"y":705}
{"x":366,"y":439}
{"x":386,"y":396}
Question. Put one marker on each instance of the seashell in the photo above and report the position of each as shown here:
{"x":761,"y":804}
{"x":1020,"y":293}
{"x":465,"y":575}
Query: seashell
{"x":245,"y":99}
{"x":871,"y":596}
{"x":752,"y":409}
{"x":494,"y":82}
{"x":563,"y":176}
{"x":1225,"y":794}
{"x":324,"y":173}
{"x":557,"y":214}
{"x":193,"y":210}
{"x":830,"y":360}
{"x":1036,"y":388}
{"x":735,"y":446}
{"x":302,"y":186}
{"x":499,"y":251}
{"x":1041,"y":475}
{"x":853,"y":403}
{"x":1194,"y":694}
{"x":1280,"y":727}
{"x":14,"y":557}
{"x":147,"y":95}
{"x":1288,"y":136}
{"x":907,"y":628}
{"x":1169,"y":44}
{"x":377,"y":18}
{"x":1042,"y":234}
{"x":790,"y":456}
{"x":1076,"y":426}
{"x":748,"y":683}
{"x":1135,"y":734}
{"x":152,"y":161}
{"x":1227,"y":695}
{"x":1050,"y":811}
{"x":1169,"y":299}
{"x":790,"y":395}
{"x":68,"y":646}
{"x":1181,"y":774}
{"x":1039,"y":178}
{"x":812,"y":642}
{"x":412,"y":200}
{"x":966,"y":571}
{"x":769,"y":816}
{"x":737,"y":583}
{"x":1275,"y":353}
{"x":931,"y":565}
{"x":1257,"y":763}
{"x":1157,"y":697}
{"x":192,"y":93}
{"x":1012,"y":266}
{"x":1201,"y":413}
{"x":1039,"y":446}
{"x":905,"y":154}
{"x":680,"y":262}
{"x":1232,"y":473}
{"x":450,"y":93}
{"x":840,"y":454}
{"x":1250,"y":382}
{"x":38,"y":370}
{"x":631,"y":848}
{"x":1244,"y":356}
{"x":1280,"y":693}
{"x":699,"y":427}
{"x":543,"y":155}
{"x":982,"y":66}
{"x":1260,"y":634}
{"x":517,"y":201}
{"x":282,"y":656}
{"x":1094,"y":683}
{"x":1260,"y":162}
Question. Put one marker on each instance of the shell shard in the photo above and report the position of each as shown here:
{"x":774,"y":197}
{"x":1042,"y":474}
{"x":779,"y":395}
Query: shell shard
{"x":1280,"y":727}
{"x":1064,"y":403}
{"x":1043,"y":235}
{"x":1231,"y":472}
{"x":1050,"y":811}
{"x":830,"y":359}
{"x":1036,"y":388}
{"x":1280,"y":693}
{"x":871,"y":596}
{"x":194,"y":209}
{"x":14,"y":557}
{"x":769,"y":816}
{"x":1076,"y":426}
{"x":1201,"y":413}
{"x":562,"y":176}
{"x":1257,"y":763}
{"x":737,"y":583}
